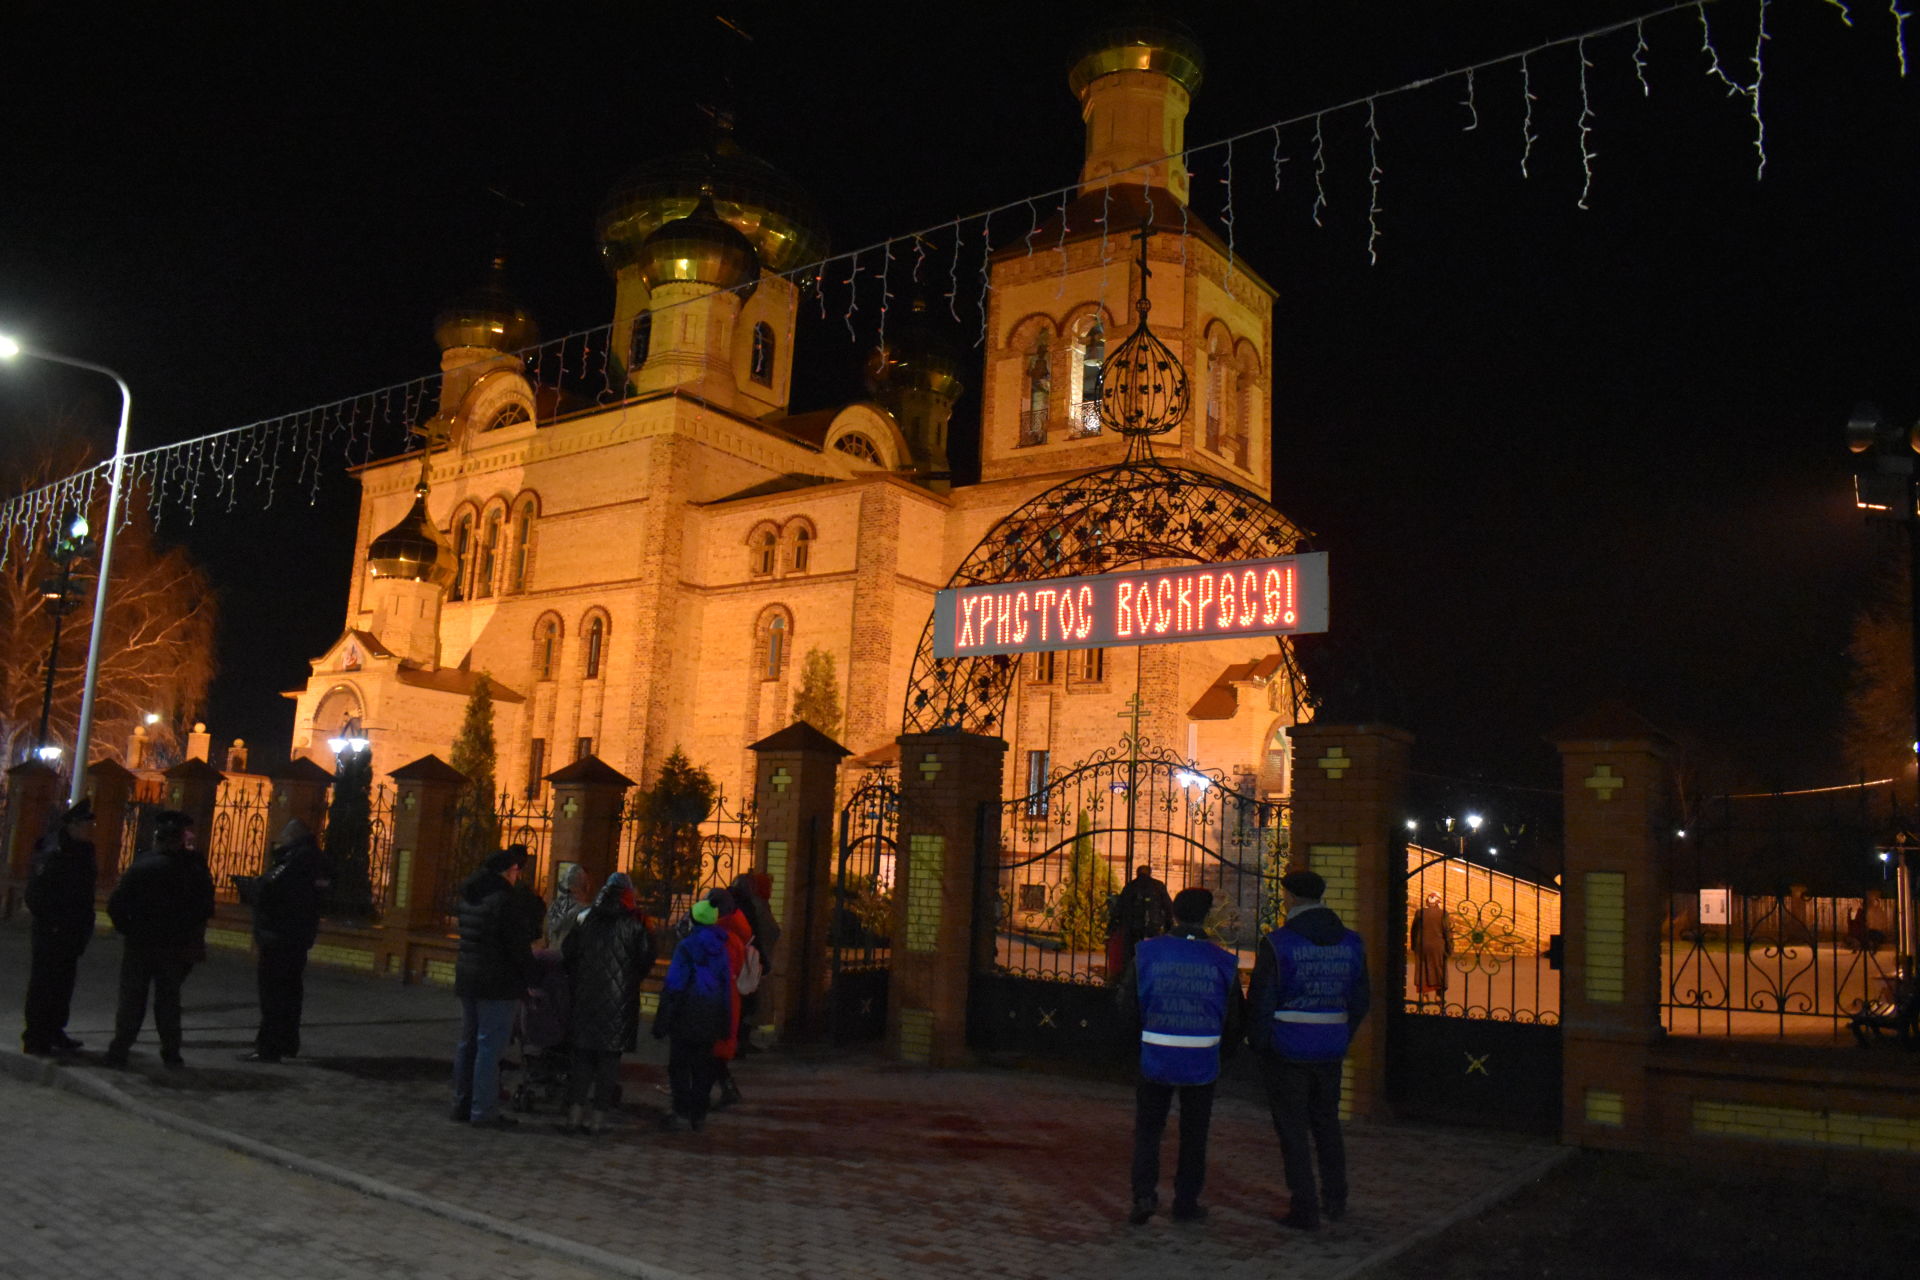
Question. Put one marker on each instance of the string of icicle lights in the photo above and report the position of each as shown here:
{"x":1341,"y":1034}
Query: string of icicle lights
{"x":286,"y":458}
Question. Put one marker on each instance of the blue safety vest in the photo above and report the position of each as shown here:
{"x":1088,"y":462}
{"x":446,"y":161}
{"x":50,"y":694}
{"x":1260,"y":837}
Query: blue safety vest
{"x":1310,"y":1015}
{"x":1183,"y":984}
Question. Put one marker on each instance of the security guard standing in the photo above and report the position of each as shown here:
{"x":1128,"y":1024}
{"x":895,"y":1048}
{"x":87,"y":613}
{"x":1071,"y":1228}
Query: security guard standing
{"x":1185,"y":993}
{"x":1309,"y":992}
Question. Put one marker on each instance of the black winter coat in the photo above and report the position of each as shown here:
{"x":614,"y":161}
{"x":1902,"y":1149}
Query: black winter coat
{"x":608,"y":955}
{"x":60,"y":890}
{"x":495,"y":942}
{"x":286,"y":903}
{"x":164,"y":902}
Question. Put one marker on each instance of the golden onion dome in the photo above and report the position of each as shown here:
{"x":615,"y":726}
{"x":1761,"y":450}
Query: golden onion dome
{"x":1139,"y":42}
{"x":916,"y":356}
{"x":486,"y":317}
{"x":752,"y":196}
{"x":414,"y":550}
{"x":700,"y":248}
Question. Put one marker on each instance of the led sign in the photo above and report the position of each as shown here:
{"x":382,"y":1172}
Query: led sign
{"x":1286,"y":596}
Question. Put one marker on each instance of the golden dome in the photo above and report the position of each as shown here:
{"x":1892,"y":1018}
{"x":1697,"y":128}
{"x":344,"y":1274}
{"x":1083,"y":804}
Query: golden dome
{"x":753,"y":197}
{"x":414,"y":550}
{"x":1139,"y":43}
{"x":915,"y":357}
{"x":486,"y":317}
{"x":699,"y":249}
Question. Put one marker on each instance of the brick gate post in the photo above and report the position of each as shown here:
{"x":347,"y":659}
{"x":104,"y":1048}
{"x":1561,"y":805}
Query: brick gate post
{"x":1616,"y":771}
{"x":192,"y":787}
{"x":425,"y":793}
{"x":947,"y":781}
{"x":32,"y":794}
{"x":299,"y":791}
{"x":795,"y":775}
{"x":1349,"y":802}
{"x":589,"y":796}
{"x":110,"y":787}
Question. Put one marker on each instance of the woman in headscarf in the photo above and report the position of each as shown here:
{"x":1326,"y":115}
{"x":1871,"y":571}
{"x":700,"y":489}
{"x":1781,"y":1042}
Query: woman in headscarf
{"x":607,"y":954}
{"x":570,"y":906}
{"x":1431,"y":944}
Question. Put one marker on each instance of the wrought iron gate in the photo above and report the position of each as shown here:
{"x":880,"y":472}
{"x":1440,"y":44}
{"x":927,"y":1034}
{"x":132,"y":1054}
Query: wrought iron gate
{"x":1474,"y":1033}
{"x":859,"y":951}
{"x":1045,"y":984}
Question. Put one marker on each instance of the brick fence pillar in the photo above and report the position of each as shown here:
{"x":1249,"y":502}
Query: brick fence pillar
{"x":110,"y":787}
{"x":795,"y":775}
{"x":299,"y":793}
{"x":1616,"y":771}
{"x":425,"y":793}
{"x":1349,"y":804}
{"x":589,"y":796}
{"x":193,"y":787}
{"x":947,"y":780}
{"x":33,"y":790}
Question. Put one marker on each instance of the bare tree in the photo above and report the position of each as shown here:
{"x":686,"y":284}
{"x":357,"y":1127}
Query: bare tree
{"x":1879,"y":730}
{"x":158,"y":655}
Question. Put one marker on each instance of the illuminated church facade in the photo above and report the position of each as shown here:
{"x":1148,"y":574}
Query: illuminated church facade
{"x":651,"y":575}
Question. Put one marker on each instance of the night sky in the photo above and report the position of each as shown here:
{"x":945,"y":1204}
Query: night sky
{"x":1558,"y":456}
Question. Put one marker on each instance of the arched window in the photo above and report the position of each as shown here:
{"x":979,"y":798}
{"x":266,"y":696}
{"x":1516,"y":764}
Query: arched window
{"x":546,"y":648}
{"x":596,"y":640}
{"x":761,"y":368}
{"x":639,"y":339}
{"x":802,"y":549}
{"x":776,"y":647}
{"x":489,"y":556}
{"x":462,"y":557}
{"x":859,"y":446}
{"x":1039,"y":378}
{"x":522,"y":544}
{"x":1219,"y":423}
{"x":766,"y":551}
{"x":510,"y":416}
{"x":1089,"y":354}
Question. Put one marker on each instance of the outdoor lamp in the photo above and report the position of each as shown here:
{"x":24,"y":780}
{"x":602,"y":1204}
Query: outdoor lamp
{"x":48,"y":753}
{"x":1474,"y":820}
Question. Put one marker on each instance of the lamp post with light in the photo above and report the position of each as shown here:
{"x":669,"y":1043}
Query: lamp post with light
{"x":10,"y":348}
{"x":67,"y":546}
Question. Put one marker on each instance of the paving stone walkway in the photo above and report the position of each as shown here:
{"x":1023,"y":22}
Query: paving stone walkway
{"x":834,"y":1166}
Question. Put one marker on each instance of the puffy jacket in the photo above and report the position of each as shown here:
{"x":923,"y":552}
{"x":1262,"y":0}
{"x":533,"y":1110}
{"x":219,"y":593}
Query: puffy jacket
{"x":164,"y":902}
{"x":495,"y":941}
{"x":695,"y":1002}
{"x":1185,"y":992}
{"x":739,"y":931}
{"x":1310,"y":988}
{"x":286,"y":904}
{"x":608,"y":955}
{"x":60,"y":890}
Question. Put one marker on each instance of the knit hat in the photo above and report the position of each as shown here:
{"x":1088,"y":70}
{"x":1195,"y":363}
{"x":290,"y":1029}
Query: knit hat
{"x":294,"y":831}
{"x":171,"y":821}
{"x":514,"y":855}
{"x":1190,"y":906}
{"x":81,"y":812}
{"x":704,"y":912}
{"x":723,"y":903}
{"x":1306,"y":885}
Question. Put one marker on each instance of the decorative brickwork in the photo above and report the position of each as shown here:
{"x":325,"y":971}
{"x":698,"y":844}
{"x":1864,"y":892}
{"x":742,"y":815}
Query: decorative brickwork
{"x":1606,"y":1107}
{"x":1606,"y":921}
{"x":1798,"y":1125}
{"x":924,"y":857}
{"x":916,"y":1036}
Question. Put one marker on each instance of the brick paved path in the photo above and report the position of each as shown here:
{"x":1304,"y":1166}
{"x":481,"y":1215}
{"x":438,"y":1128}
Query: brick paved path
{"x":833,"y":1167}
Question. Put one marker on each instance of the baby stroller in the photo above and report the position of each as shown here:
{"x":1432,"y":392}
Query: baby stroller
{"x":540,"y":1029}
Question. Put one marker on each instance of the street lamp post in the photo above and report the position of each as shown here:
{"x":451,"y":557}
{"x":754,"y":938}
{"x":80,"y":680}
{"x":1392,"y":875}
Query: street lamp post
{"x":83,"y":734}
{"x":71,"y":543}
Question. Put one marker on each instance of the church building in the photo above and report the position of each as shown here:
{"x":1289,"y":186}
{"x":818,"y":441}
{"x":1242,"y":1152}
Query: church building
{"x":637,"y":576}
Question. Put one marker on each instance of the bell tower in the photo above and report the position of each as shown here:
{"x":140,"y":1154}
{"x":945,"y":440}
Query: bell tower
{"x":1135,"y":81}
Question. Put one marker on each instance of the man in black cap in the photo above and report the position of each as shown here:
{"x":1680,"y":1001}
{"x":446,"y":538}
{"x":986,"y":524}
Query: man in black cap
{"x":286,"y":921}
{"x":1309,"y":993}
{"x":1184,"y":993}
{"x":60,"y":896}
{"x":489,"y":976}
{"x":160,"y":908}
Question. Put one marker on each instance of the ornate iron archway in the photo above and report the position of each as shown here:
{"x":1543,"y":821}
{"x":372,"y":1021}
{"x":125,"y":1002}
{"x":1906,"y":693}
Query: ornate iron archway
{"x":1138,"y":511}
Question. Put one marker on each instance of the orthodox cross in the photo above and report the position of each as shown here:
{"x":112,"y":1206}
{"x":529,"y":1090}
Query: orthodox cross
{"x":1135,"y":709}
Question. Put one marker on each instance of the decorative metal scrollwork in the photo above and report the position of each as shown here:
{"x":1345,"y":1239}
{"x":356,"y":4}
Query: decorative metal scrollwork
{"x":1143,"y":387}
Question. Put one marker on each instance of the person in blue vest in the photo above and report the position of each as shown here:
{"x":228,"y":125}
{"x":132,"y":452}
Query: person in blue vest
{"x":1184,"y":992}
{"x":1309,"y":993}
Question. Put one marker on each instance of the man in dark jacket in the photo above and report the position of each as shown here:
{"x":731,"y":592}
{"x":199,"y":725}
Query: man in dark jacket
{"x":60,"y":896}
{"x":286,"y":920}
{"x":490,"y":976}
{"x":1183,"y":992}
{"x":608,"y":955}
{"x":1309,"y":993}
{"x":161,"y":908}
{"x":1140,"y":911}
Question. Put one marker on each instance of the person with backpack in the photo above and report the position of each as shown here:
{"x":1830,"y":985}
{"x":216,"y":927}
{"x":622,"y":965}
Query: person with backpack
{"x":160,"y":908}
{"x":695,"y":1013}
{"x":740,"y":949}
{"x":1140,"y":911}
{"x":1309,"y":993}
{"x":608,"y":954}
{"x":753,"y":892}
{"x":60,"y":896}
{"x":286,"y":920}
